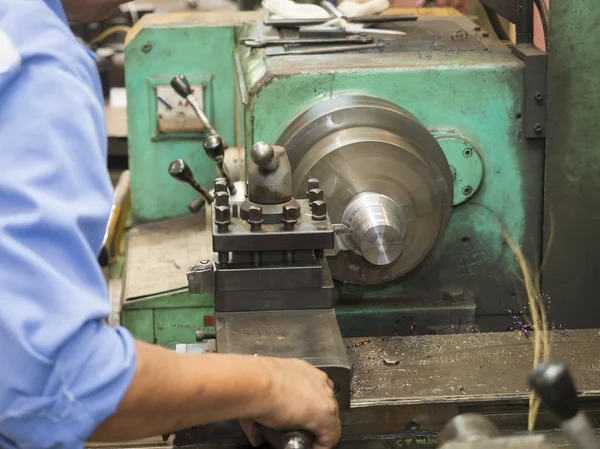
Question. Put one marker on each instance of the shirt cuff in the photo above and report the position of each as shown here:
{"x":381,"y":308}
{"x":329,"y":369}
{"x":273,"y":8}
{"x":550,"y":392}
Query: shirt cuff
{"x":90,"y":376}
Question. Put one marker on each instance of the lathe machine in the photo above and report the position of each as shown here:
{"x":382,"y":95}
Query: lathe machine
{"x":362,"y":196}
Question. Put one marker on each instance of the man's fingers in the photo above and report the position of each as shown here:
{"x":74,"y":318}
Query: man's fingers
{"x":252,"y":431}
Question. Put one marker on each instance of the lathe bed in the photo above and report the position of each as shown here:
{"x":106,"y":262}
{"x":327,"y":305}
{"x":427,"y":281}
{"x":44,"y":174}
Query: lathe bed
{"x":404,"y":388}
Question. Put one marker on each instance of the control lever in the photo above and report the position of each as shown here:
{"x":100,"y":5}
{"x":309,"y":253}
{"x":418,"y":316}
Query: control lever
{"x":554,"y":385}
{"x":215,"y":150}
{"x":179,"y":170}
{"x":295,"y":439}
{"x":180,"y":85}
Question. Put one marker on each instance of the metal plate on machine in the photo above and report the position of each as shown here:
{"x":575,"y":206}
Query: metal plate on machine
{"x":159,"y":254}
{"x":310,"y":335}
{"x":173,"y":113}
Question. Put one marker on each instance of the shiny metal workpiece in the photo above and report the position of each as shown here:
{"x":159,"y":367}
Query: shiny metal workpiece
{"x":378,"y":226}
{"x":356,"y":145}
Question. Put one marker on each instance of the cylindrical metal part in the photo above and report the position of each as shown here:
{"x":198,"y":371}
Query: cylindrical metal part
{"x":223,"y":258}
{"x":580,"y":433}
{"x":378,"y":227}
{"x":319,"y":254}
{"x":465,"y":428}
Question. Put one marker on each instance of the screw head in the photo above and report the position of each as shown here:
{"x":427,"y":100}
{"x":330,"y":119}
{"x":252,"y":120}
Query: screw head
{"x":468,"y":152}
{"x":222,"y":198}
{"x":262,"y":154}
{"x":520,"y":8}
{"x":538,"y":96}
{"x":538,"y":127}
{"x":146,"y":47}
{"x":315,"y":195}
{"x":319,"y":210}
{"x":467,"y":190}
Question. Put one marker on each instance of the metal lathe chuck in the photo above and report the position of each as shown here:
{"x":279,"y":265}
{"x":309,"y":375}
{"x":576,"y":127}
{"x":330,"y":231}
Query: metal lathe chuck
{"x":385,"y":178}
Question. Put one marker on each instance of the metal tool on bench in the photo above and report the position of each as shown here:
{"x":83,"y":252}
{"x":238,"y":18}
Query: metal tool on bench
{"x":554,"y":385}
{"x":332,"y":9}
{"x":327,"y":49}
{"x":349,"y":40}
{"x":295,"y":23}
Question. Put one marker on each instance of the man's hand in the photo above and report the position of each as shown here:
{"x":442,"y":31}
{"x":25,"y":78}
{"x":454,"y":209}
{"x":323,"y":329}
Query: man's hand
{"x":300,"y":398}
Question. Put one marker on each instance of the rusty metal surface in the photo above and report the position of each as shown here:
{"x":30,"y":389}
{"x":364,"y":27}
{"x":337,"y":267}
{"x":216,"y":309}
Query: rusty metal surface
{"x":463,"y":367}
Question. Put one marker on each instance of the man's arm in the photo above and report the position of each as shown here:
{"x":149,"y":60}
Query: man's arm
{"x":173,"y":391}
{"x":65,"y":375}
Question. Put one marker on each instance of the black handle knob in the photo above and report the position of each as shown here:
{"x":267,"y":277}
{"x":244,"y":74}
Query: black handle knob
{"x":554,"y":385}
{"x":214,"y":147}
{"x":180,"y":85}
{"x":196,"y":205}
{"x":181,"y":171}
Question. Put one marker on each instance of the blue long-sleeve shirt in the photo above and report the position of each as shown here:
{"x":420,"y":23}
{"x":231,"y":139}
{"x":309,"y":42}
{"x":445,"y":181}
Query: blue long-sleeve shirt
{"x":62,"y":372}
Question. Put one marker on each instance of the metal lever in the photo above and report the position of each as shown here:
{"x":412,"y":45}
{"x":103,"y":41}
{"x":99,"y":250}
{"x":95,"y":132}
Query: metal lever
{"x":215,"y":150}
{"x":295,"y":439}
{"x":179,"y":170}
{"x":554,"y":385}
{"x":181,"y":85}
{"x":261,"y":43}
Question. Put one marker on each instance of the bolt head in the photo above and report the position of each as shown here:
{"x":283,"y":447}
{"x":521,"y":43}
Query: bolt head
{"x":319,"y":210}
{"x":454,"y":295}
{"x":222,"y":198}
{"x":315,"y":195}
{"x":538,"y":127}
{"x":222,"y":215}
{"x":220,"y":185}
{"x":255,"y":214}
{"x":291,"y":213}
{"x":313,"y":183}
{"x":539,"y":96}
{"x":262,"y":154}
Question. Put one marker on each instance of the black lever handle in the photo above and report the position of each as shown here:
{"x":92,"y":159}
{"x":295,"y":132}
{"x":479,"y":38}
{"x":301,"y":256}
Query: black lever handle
{"x":196,"y":205}
{"x":180,"y":85}
{"x":179,"y":170}
{"x":554,"y":385}
{"x":215,"y":150}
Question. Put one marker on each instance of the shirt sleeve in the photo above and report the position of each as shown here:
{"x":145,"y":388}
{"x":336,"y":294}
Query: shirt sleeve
{"x":62,"y":370}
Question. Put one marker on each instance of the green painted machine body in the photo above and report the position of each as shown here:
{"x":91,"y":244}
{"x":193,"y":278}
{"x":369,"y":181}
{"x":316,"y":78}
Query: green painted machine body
{"x":468,"y":93}
{"x":163,"y":46}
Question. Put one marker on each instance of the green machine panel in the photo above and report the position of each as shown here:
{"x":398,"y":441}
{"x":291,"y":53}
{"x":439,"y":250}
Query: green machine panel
{"x":468,"y":91}
{"x":161,"y":126}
